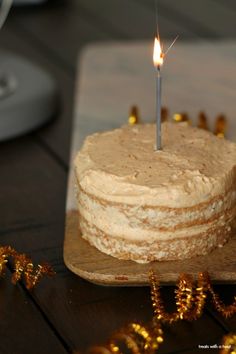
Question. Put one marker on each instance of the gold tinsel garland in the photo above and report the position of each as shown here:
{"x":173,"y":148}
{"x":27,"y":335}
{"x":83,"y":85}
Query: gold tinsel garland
{"x":135,"y":337}
{"x":23,"y":267}
{"x":190,"y":300}
{"x":229,"y":344}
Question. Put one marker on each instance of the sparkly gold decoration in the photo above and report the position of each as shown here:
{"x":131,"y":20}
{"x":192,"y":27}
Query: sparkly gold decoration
{"x":32,"y":277}
{"x":220,"y":127}
{"x":4,"y":253}
{"x":134,"y":116}
{"x":181,"y":117}
{"x":229,"y":344}
{"x":23,"y":267}
{"x":135,"y":337}
{"x":21,"y":261}
{"x":202,"y":121}
{"x":220,"y":121}
{"x":190,"y":299}
{"x":177,"y":117}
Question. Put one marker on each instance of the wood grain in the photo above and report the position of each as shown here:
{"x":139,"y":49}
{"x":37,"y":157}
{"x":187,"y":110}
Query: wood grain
{"x":28,"y":175}
{"x":22,"y":327}
{"x":95,"y":266}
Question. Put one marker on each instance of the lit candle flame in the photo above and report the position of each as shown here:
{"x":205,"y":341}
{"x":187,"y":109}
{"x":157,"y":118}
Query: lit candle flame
{"x":158,"y":55}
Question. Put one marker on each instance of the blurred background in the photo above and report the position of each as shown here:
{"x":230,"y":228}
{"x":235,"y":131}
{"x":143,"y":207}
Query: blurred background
{"x":52,"y":33}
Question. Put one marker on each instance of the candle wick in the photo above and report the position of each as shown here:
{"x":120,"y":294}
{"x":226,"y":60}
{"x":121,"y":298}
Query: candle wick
{"x":158,"y":69}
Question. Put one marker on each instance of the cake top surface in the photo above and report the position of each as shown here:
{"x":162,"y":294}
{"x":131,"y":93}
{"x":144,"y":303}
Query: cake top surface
{"x":123,"y":163}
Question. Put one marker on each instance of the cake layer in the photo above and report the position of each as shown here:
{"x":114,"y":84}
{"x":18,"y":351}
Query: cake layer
{"x":115,"y":222}
{"x":133,"y":221}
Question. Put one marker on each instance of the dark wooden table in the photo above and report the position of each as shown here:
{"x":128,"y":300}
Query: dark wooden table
{"x":67,"y":313}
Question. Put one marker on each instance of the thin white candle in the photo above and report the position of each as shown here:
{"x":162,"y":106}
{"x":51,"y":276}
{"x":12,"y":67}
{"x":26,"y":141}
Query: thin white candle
{"x":158,"y":61}
{"x":158,"y":109}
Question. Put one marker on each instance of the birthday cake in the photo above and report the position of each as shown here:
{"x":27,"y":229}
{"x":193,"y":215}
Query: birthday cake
{"x":144,"y":205}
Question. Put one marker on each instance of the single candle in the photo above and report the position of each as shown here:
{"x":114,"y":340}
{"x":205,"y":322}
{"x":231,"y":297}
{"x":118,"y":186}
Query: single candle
{"x":158,"y":57}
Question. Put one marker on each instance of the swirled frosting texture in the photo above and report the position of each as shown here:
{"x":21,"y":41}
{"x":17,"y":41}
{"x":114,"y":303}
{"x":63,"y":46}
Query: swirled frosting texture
{"x":122,"y":166}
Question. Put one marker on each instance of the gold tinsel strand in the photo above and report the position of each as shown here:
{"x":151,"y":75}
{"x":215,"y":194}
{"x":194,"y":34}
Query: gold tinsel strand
{"x":220,"y":120}
{"x":23,"y":267}
{"x":32,"y":277}
{"x":190,"y":299}
{"x":225,"y":310}
{"x":135,"y":337}
{"x":229,"y":344}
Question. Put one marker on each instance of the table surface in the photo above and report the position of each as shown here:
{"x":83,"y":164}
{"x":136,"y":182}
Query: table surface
{"x":67,"y":313}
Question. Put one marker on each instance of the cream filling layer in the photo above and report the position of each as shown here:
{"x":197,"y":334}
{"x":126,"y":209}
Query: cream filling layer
{"x":154,"y":218}
{"x":116,"y":224}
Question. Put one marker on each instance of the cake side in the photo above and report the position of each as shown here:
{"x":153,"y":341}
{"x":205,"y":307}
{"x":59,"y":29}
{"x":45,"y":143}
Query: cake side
{"x":113,"y":232}
{"x":145,"y":252}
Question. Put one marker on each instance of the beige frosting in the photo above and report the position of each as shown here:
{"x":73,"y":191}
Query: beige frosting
{"x":122,"y":166}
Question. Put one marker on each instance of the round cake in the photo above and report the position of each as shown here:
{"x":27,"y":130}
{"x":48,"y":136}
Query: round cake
{"x":144,"y":205}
